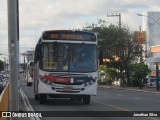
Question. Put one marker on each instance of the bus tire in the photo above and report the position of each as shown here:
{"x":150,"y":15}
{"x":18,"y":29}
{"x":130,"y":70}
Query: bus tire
{"x":42,"y":98}
{"x":86,"y":99}
{"x":29,"y":84}
{"x":36,"y":96}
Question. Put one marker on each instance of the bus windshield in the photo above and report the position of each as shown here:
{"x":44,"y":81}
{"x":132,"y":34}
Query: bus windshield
{"x":65,"y":57}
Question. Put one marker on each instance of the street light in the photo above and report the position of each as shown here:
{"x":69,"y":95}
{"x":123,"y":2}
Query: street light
{"x":157,"y":70}
{"x":150,"y":18}
{"x":116,"y":15}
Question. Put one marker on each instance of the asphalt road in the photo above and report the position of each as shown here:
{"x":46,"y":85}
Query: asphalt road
{"x":107,"y":100}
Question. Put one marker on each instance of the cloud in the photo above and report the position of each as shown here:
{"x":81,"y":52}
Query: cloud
{"x":36,"y":16}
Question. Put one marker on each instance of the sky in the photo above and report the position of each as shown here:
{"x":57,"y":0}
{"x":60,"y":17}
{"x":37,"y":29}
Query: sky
{"x":36,"y":16}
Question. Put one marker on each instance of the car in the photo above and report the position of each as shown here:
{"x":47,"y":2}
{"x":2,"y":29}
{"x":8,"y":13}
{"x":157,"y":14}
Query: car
{"x":151,"y":82}
{"x":3,"y":76}
{"x":3,"y":80}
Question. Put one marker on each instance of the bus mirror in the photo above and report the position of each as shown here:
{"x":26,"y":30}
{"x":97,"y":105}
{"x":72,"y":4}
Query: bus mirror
{"x":100,"y":57}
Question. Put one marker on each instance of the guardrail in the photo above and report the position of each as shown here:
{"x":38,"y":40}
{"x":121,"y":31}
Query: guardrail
{"x":4,"y":101}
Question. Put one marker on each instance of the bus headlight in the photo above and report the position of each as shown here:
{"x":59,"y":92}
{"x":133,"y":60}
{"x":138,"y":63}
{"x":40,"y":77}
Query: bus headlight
{"x":89,"y":82}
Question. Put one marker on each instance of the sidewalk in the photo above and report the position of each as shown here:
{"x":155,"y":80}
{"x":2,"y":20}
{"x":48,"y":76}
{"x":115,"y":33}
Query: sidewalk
{"x":144,"y":89}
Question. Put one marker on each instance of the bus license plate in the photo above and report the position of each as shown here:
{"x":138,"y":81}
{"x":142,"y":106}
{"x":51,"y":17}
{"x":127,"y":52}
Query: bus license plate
{"x":68,"y":88}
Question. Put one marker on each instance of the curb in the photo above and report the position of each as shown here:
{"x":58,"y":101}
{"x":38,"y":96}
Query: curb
{"x":130,"y":89}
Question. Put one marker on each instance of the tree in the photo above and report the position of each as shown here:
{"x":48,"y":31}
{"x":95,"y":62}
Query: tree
{"x":117,"y":43}
{"x":140,"y":72}
{"x":109,"y":75}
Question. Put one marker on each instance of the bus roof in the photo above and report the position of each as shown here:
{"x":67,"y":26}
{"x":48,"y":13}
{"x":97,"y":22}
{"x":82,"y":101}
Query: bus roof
{"x":67,"y":31}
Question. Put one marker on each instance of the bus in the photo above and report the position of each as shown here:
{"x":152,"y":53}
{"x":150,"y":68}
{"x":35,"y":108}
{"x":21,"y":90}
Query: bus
{"x":65,"y":65}
{"x":29,"y":73}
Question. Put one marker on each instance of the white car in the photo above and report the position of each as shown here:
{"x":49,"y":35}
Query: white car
{"x":151,"y":82}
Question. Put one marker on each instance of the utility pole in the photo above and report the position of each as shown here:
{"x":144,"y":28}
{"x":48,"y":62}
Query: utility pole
{"x":141,"y":46}
{"x":116,"y":15}
{"x":13,"y":56}
{"x":157,"y":76}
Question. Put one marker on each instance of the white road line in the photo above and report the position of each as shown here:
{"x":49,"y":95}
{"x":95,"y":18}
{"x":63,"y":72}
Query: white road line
{"x":137,"y":98}
{"x":119,"y":108}
{"x":111,"y":105}
{"x":27,"y":104}
{"x":119,"y":95}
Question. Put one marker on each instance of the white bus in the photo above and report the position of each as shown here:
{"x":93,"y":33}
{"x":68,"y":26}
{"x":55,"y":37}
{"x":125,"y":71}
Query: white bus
{"x":29,"y":73}
{"x":66,"y":65}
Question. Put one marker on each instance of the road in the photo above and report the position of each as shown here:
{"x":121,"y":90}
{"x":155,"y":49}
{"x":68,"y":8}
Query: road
{"x":106,"y":100}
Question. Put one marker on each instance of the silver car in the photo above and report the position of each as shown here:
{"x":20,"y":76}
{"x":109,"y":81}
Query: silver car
{"x":2,"y":81}
{"x":151,"y":82}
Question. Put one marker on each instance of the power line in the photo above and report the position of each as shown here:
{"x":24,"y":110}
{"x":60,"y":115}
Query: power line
{"x":136,"y":3}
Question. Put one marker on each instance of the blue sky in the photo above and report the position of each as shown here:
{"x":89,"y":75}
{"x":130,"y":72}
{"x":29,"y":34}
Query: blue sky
{"x":39,"y":15}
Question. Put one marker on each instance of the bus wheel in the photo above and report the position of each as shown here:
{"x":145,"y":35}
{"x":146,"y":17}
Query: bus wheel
{"x":86,"y":99}
{"x":29,"y":84}
{"x":36,"y":96}
{"x":42,"y":98}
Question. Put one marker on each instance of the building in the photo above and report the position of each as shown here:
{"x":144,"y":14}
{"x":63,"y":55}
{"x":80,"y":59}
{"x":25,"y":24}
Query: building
{"x":151,"y":24}
{"x":30,"y":56}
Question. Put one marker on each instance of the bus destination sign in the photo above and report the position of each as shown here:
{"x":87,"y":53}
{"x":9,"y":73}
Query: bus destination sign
{"x":80,"y":36}
{"x":68,"y":36}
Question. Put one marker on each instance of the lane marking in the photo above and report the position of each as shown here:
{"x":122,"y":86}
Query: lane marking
{"x":27,"y":104}
{"x":120,"y":108}
{"x":111,"y":105}
{"x":137,"y":98}
{"x":119,"y":95}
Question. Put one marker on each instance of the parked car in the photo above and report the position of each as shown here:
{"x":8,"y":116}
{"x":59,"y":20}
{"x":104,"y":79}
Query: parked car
{"x":2,"y":75}
{"x":2,"y":81}
{"x":151,"y":82}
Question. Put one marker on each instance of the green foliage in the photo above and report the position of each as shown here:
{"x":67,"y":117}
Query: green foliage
{"x":107,"y":75}
{"x":139,"y":72}
{"x":120,"y":43}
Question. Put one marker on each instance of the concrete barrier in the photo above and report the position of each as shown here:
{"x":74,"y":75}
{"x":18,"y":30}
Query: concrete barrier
{"x":4,"y":101}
